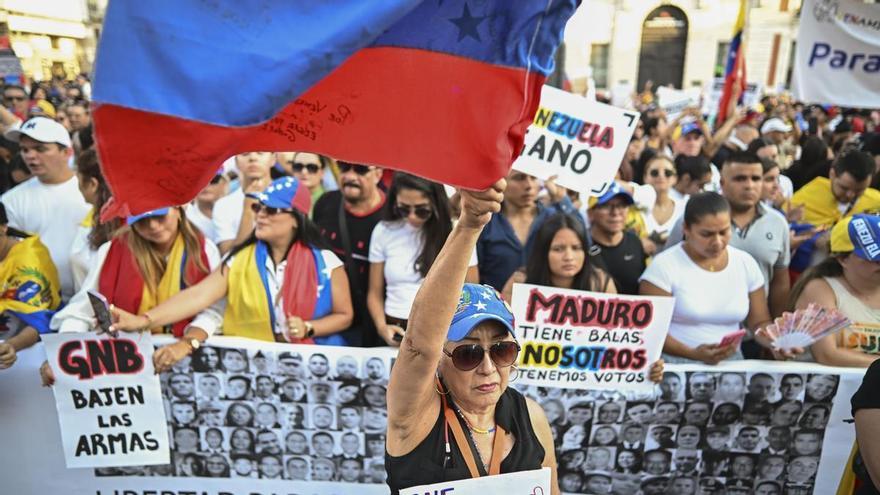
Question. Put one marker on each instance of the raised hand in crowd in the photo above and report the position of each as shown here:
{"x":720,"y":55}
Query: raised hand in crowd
{"x":556,"y":192}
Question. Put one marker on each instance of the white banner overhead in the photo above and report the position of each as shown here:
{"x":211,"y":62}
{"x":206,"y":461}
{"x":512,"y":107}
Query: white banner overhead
{"x":838,"y":54}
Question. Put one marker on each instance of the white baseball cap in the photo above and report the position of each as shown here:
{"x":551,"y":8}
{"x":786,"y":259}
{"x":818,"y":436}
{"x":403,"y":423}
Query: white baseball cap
{"x":40,"y":129}
{"x":775,"y":124}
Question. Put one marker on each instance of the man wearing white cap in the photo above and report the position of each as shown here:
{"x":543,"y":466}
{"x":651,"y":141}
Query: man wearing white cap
{"x":776,"y":130}
{"x":49,"y":203}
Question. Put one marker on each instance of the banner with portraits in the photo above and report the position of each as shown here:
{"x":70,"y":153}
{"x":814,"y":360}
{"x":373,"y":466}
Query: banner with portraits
{"x":254,"y":418}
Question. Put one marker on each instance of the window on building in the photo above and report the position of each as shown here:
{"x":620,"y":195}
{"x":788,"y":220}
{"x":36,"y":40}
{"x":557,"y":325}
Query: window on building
{"x":721,"y":58}
{"x":599,"y":63}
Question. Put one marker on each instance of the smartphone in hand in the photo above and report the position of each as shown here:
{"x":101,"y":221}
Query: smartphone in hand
{"x":732,"y":338}
{"x":102,"y":310}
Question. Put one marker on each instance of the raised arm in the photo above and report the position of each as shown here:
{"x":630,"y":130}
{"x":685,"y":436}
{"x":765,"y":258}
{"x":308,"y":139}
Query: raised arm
{"x":411,"y":388}
{"x":180,"y":306}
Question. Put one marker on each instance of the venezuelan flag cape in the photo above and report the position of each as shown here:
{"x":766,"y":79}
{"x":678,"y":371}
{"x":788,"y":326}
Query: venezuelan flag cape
{"x":31,"y":290}
{"x":123,"y":285}
{"x":306,"y":292}
{"x":735,"y":70}
{"x":442,"y":89}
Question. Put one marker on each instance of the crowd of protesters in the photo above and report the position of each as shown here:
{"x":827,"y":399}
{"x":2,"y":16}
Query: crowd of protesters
{"x":777,"y":205}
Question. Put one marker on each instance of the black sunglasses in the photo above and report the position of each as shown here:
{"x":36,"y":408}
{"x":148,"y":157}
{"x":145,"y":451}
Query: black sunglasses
{"x":422,"y":212}
{"x":14,"y":98}
{"x":358,"y":169}
{"x":270,"y":210}
{"x":469,"y":356}
{"x":216,"y":179}
{"x":667,"y":172}
{"x":311,"y":167}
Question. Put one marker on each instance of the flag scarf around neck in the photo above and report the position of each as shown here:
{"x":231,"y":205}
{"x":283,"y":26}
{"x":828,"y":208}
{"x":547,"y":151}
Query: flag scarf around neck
{"x":123,"y":285}
{"x":306,"y":291}
{"x":444,"y":90}
{"x":735,"y":70}
{"x":31,"y":290}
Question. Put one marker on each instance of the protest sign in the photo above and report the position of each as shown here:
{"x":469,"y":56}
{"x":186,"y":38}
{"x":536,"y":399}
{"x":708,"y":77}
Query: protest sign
{"x":578,"y":140}
{"x":837,"y":60}
{"x":750,"y":98}
{"x":589,"y":340}
{"x":621,"y":436}
{"x":108,"y":398}
{"x":674,"y":101}
{"x":535,"y":482}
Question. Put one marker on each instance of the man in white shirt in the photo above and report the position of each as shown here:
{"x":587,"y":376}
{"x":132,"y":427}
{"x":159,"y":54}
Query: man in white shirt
{"x":233,"y":219}
{"x":48,"y":204}
{"x":201,"y":210}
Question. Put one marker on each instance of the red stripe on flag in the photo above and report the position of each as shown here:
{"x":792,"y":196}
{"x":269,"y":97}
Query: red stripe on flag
{"x":447,"y":118}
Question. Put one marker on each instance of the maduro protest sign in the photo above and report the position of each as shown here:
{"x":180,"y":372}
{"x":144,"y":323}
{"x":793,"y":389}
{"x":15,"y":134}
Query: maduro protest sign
{"x":838,"y":53}
{"x":578,"y":140}
{"x":108,"y":399}
{"x":697,"y":428}
{"x":589,"y":340}
{"x":535,"y":482}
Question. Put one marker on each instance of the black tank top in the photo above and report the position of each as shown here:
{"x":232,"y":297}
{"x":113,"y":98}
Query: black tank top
{"x":424,"y":465}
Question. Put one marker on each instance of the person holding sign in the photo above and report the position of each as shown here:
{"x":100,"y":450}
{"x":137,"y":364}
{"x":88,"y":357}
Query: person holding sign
{"x":254,"y":295}
{"x":451,"y":414}
{"x":31,"y":293}
{"x":706,"y":321}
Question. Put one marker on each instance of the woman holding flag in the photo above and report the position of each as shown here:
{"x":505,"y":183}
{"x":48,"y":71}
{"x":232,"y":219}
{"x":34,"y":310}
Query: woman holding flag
{"x":161,"y":254}
{"x":32,"y":290}
{"x":278,"y":285}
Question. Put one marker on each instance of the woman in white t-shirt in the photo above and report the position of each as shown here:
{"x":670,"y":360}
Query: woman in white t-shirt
{"x":661,"y":216}
{"x":716,"y":287}
{"x":402,"y":249}
{"x":91,"y":233}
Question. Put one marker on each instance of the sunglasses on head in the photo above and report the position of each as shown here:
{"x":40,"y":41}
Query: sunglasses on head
{"x":311,"y":167}
{"x":421,"y":211}
{"x":270,"y":210}
{"x":469,"y":356}
{"x":667,"y":172}
{"x":358,"y":169}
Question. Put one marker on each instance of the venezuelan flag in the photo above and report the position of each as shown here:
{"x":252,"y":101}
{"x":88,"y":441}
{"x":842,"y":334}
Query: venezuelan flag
{"x":29,"y":286}
{"x":735,"y":71}
{"x":443,"y":89}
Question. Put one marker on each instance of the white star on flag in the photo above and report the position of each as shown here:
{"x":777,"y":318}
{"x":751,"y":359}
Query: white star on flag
{"x":481,"y":306}
{"x":327,"y":271}
{"x":487,"y":294}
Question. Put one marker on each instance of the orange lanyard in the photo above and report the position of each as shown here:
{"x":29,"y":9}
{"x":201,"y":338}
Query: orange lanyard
{"x":451,"y":422}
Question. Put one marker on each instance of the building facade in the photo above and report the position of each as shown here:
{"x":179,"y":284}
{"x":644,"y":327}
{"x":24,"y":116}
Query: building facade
{"x":53,"y":37}
{"x":682,"y":43}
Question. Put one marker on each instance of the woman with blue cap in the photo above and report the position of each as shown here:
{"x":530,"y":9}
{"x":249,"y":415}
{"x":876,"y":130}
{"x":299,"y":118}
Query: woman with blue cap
{"x":279,"y":285}
{"x":848,"y":281}
{"x":160,"y":254}
{"x":451,"y":414}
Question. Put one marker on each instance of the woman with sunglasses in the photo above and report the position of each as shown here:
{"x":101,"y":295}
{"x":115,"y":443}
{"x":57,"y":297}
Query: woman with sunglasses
{"x":448,"y":397}
{"x":159,"y":255}
{"x":309,"y":168}
{"x":666,"y":210}
{"x":277,"y":286}
{"x":403,"y":247}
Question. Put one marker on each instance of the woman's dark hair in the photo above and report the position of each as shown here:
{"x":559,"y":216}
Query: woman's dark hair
{"x":651,"y":125}
{"x":436,"y":229}
{"x":813,"y":162}
{"x":538,"y":266}
{"x":757,"y":144}
{"x":702,"y":204}
{"x":307,"y":232}
{"x":638,"y":168}
{"x":86,"y":137}
{"x":88,"y":167}
{"x":829,"y":267}
{"x":10,"y":231}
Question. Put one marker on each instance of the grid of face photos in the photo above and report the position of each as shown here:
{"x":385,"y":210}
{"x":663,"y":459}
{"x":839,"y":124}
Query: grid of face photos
{"x":709,"y":433}
{"x":309,"y":416}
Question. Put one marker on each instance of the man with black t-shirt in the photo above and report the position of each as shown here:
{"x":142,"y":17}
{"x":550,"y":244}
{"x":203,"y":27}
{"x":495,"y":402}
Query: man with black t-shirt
{"x":358,"y":205}
{"x":614,"y":249}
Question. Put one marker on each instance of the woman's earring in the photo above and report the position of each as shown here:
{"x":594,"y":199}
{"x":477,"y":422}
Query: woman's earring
{"x":438,"y":381}
{"x":513,"y":377}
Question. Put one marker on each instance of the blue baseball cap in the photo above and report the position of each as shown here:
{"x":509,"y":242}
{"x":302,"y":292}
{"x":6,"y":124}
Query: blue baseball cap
{"x":614,"y":191}
{"x":859,"y":234}
{"x":691,"y":127}
{"x":478,"y":303}
{"x":285,"y":193}
{"x":161,"y":212}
